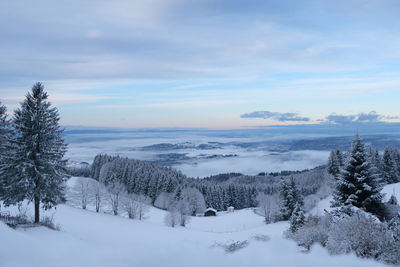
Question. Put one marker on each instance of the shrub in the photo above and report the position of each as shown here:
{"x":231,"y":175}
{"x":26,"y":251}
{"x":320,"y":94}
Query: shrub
{"x":172,"y":218}
{"x":48,"y":222}
{"x":314,"y":230}
{"x":263,"y":238}
{"x":233,"y":246}
{"x":360,"y":233}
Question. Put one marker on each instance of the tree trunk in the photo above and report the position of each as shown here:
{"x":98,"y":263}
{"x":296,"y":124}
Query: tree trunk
{"x":37,"y":209}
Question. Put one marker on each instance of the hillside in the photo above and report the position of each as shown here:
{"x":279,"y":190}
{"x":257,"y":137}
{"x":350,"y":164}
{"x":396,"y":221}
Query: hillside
{"x":87,"y":238}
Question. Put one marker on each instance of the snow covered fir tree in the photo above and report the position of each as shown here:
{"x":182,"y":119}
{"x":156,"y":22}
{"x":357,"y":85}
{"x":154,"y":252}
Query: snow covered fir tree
{"x":360,"y":222}
{"x":33,"y":167}
{"x":291,"y":198}
{"x":390,"y":166}
{"x":5,"y":134}
{"x":357,"y":184}
{"x":297,"y":218}
{"x":335,"y":162}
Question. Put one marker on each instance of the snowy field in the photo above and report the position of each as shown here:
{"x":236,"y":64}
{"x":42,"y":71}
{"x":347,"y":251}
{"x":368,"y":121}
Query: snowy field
{"x":87,"y":238}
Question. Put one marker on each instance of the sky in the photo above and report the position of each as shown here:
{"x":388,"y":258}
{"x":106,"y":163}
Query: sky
{"x":204,"y":64}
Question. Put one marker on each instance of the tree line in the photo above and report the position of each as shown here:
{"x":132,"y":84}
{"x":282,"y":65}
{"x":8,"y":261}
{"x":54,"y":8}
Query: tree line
{"x":237,"y":190}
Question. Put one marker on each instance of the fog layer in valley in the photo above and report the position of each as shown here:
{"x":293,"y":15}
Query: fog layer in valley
{"x":200,"y":153}
{"x":197,"y":155}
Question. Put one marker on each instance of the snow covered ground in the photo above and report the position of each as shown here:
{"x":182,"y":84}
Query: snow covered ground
{"x":391,"y":189}
{"x":87,"y":238}
{"x":388,"y":190}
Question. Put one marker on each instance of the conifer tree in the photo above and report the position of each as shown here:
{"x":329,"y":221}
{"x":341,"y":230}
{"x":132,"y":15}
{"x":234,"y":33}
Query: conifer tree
{"x":375,"y":159}
{"x":389,"y":167}
{"x":35,"y":169}
{"x":290,"y":196}
{"x":335,"y":162}
{"x":357,"y":185}
{"x":5,"y":135}
{"x":4,"y":129}
{"x":297,"y":218}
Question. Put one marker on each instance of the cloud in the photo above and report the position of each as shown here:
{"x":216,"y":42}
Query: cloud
{"x":152,"y":39}
{"x":339,"y":119}
{"x":360,"y":118}
{"x":282,"y":117}
{"x":201,"y":50}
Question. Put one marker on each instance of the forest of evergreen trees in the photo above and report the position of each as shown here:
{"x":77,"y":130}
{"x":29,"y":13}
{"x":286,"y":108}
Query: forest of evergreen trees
{"x":386,"y":165}
{"x":219,"y":192}
{"x":138,"y":177}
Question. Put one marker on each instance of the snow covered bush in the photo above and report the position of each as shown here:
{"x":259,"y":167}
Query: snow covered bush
{"x":364,"y":235}
{"x":84,"y":184}
{"x":48,"y":221}
{"x":268,"y":207}
{"x":98,"y":191}
{"x":115,"y":190}
{"x":391,"y":211}
{"x":183,"y":210}
{"x":136,"y":206}
{"x":360,"y":233}
{"x":232,"y":246}
{"x":194,"y":199}
{"x":394,"y":226}
{"x":263,"y":238}
{"x":143,"y":206}
{"x":236,"y":246}
{"x":314,"y":230}
{"x":172,"y":218}
{"x":178,"y":214}
{"x":164,"y":201}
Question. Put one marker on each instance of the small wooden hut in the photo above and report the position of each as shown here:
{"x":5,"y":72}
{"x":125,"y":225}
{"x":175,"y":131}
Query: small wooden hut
{"x":210,"y":212}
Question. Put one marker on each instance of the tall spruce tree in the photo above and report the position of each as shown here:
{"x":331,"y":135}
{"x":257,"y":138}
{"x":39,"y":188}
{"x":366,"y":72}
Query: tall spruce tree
{"x":376,"y":162}
{"x":35,"y":169}
{"x":4,"y":127}
{"x":357,"y":185}
{"x":297,"y":218}
{"x":290,"y":197}
{"x":389,"y":167}
{"x":335,"y":162}
{"x":5,"y":135}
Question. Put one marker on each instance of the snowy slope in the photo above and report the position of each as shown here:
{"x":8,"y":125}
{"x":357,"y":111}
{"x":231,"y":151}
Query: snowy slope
{"x":97,"y":239}
{"x":391,"y":189}
{"x":388,"y":190}
{"x":324,"y":204}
